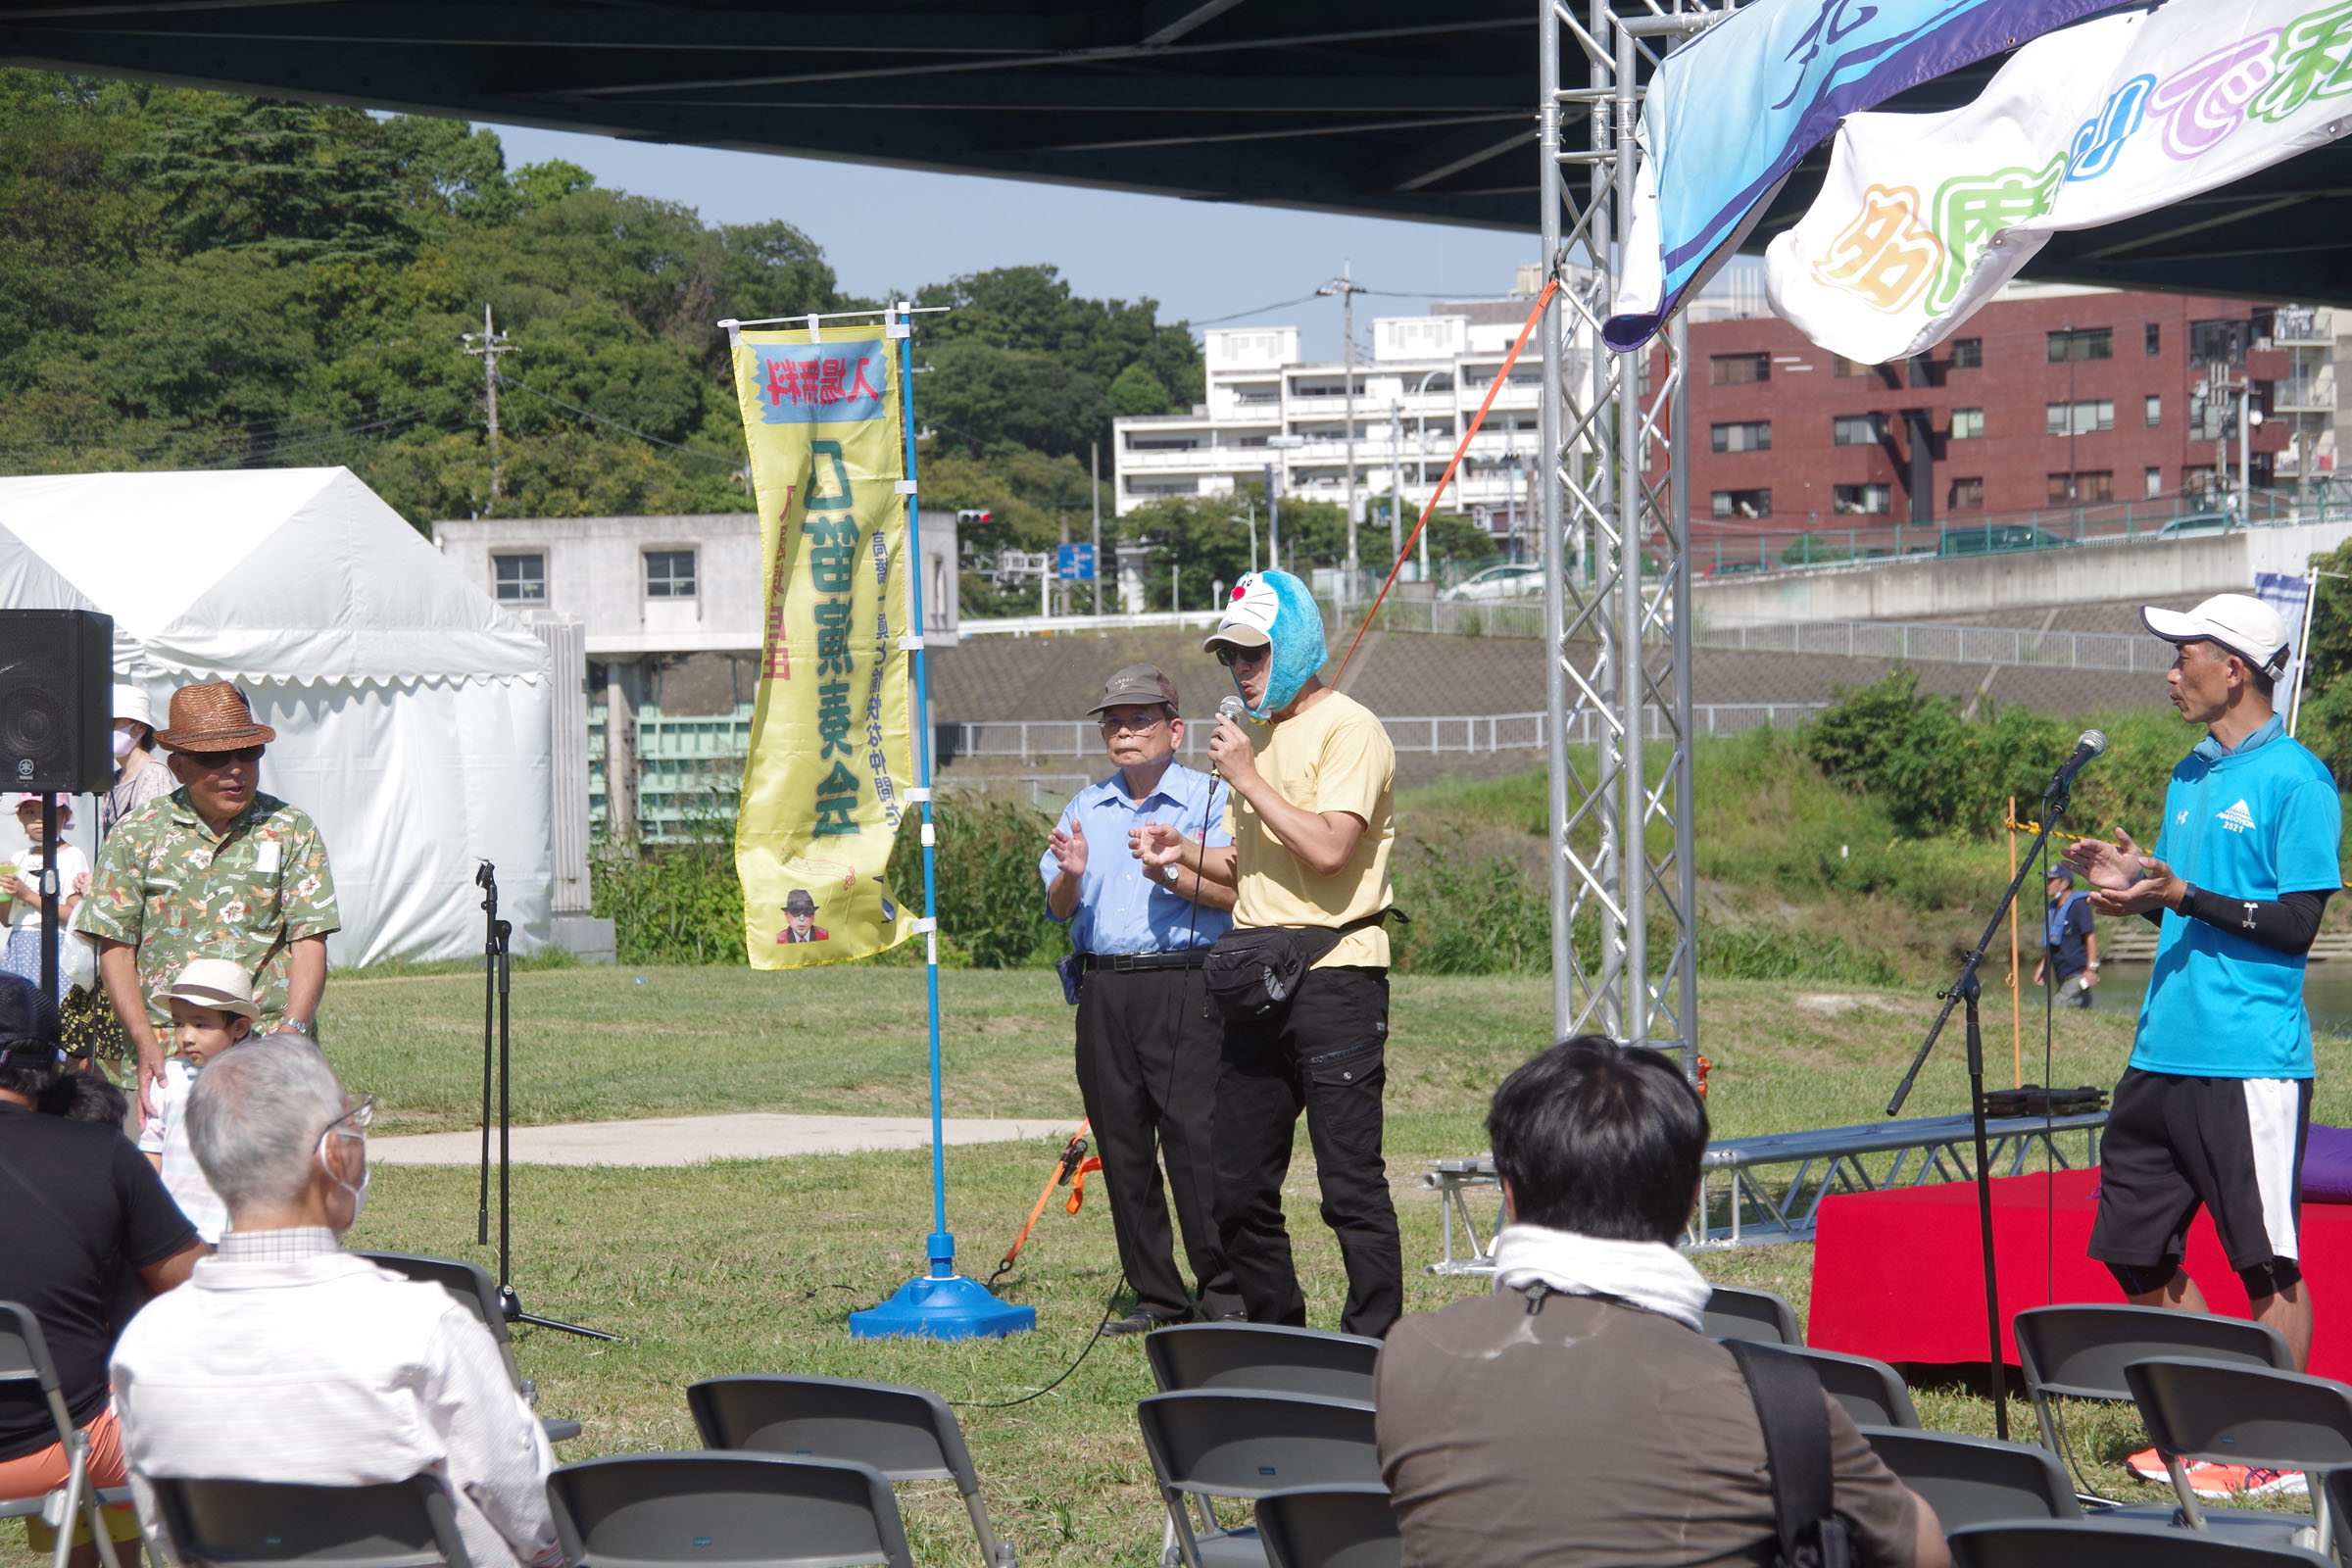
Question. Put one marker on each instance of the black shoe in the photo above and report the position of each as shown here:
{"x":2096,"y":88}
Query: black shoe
{"x":1136,"y":1322}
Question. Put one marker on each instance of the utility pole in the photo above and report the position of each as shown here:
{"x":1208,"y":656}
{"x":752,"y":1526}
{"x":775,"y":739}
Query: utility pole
{"x":1094,"y":451}
{"x":1347,"y":288}
{"x":1395,"y":481}
{"x":489,"y":344}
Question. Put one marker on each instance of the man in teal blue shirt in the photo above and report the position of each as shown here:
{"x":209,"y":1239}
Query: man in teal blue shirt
{"x":2212,"y":1110}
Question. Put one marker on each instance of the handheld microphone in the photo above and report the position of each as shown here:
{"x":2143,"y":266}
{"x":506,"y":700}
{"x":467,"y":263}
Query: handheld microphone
{"x":2090,"y":744}
{"x":1233,"y":708}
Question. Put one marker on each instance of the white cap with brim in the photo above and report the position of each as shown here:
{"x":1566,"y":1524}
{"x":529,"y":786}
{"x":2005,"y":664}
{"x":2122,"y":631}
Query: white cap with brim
{"x":1249,"y":619}
{"x":2239,"y":622}
{"x":216,"y":983}
{"x":131,"y":702}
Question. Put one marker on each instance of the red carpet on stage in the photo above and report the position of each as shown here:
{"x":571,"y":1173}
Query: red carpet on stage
{"x":1899,"y":1274}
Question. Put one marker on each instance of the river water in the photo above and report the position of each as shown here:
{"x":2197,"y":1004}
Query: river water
{"x":2326,"y":992}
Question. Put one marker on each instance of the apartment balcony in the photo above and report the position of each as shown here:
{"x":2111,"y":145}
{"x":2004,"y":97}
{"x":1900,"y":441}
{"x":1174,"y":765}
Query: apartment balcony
{"x":2311,"y":393}
{"x":2303,"y":327}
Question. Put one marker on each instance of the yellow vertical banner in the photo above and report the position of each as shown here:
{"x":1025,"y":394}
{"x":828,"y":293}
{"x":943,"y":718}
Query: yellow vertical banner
{"x":826,"y":780}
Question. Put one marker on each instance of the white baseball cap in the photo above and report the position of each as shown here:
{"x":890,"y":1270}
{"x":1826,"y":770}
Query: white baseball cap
{"x":2239,"y":622}
{"x":216,"y":983}
{"x":131,"y":702}
{"x":1249,"y":619}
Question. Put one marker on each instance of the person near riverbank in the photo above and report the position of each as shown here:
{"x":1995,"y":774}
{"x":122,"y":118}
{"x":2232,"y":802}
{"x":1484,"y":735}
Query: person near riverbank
{"x":2213,"y":1109}
{"x":215,"y":869}
{"x":1146,"y":1041}
{"x":2070,"y":940}
{"x":1312,"y":818}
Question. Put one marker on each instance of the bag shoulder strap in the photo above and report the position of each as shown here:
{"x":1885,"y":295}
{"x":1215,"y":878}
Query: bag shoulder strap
{"x":1796,"y":1439}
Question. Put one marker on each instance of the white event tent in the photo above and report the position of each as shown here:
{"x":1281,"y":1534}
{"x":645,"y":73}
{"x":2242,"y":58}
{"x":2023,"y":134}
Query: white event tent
{"x":412,"y":713}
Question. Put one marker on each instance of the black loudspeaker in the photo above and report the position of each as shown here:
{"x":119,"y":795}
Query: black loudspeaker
{"x":56,"y":677}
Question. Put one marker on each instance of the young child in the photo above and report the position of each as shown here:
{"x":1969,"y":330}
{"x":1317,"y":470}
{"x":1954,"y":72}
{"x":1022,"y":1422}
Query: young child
{"x":211,"y":1009}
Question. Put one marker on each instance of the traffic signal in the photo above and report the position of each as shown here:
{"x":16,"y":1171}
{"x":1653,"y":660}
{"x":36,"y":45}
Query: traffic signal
{"x":971,"y":518}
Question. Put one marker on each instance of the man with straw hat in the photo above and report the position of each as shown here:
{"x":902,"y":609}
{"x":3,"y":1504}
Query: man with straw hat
{"x":215,"y":869}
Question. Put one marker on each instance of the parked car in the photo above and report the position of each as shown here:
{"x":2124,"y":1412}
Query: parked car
{"x":1735,"y":568}
{"x":2196,"y":523}
{"x":1499,"y":582}
{"x":1994,"y":538}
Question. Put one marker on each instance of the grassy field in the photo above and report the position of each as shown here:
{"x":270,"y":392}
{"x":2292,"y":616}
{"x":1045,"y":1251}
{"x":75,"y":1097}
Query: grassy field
{"x":751,"y":1267}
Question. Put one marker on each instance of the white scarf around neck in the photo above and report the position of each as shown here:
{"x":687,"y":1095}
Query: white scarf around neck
{"x":1649,"y":1275}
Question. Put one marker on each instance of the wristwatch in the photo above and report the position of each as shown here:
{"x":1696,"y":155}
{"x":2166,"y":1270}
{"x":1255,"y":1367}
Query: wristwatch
{"x":1175,"y":873}
{"x":296,"y":1026}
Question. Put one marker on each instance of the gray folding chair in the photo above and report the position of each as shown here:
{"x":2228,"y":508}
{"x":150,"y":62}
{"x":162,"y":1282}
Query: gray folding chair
{"x":1330,"y":1527}
{"x":1977,"y":1481}
{"x":1262,"y":1356}
{"x":2096,"y":1544}
{"x":2079,"y":1351}
{"x":1206,"y":1443}
{"x":2227,"y":1414}
{"x":1735,"y":1312}
{"x":905,"y":1432}
{"x":25,"y":1360}
{"x":476,"y":1291}
{"x":1873,"y":1392}
{"x":744,"y":1510}
{"x":269,"y":1524}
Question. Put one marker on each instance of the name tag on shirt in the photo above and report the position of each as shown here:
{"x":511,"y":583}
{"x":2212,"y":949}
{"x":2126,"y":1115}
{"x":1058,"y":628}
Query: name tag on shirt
{"x":267,"y":857}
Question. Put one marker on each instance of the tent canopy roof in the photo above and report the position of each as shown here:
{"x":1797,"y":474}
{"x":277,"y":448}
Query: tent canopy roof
{"x":1389,"y":108}
{"x":301,"y":577}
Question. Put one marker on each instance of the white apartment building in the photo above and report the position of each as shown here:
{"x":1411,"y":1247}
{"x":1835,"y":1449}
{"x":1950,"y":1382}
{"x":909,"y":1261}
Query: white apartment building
{"x":1413,"y":397}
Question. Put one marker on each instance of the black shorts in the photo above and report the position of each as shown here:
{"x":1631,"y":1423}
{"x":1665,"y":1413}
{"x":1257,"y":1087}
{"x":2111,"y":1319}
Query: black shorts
{"x":2233,"y":1145}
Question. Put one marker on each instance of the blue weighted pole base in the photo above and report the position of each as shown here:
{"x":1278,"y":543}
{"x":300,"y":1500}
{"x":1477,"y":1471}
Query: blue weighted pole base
{"x":942,"y":1305}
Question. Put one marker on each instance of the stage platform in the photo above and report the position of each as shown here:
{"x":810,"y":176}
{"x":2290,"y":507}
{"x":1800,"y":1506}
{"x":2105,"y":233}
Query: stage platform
{"x":1898,"y":1275}
{"x":1769,"y":1189}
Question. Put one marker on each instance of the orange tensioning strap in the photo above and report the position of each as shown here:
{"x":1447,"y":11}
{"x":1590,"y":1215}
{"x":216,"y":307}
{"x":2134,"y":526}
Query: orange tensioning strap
{"x":1502,"y":377}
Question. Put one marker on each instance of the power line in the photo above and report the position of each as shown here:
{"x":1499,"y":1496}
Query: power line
{"x":573,"y":408}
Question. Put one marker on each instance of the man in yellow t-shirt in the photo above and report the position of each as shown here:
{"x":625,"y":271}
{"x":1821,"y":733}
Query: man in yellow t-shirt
{"x":1311,"y":821}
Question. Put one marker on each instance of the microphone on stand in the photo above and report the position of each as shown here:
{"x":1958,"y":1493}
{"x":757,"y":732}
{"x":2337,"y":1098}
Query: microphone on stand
{"x":2090,"y":744}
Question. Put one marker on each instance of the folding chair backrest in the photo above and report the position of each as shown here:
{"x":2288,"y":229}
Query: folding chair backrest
{"x":1224,"y":1442}
{"x":1330,"y":1527}
{"x":2090,"y":1544}
{"x":2249,"y":1415}
{"x":1263,"y":1358}
{"x":2080,"y":1352}
{"x":268,"y":1524}
{"x":746,"y":1510}
{"x":908,"y":1434}
{"x":1734,"y":1313}
{"x":469,"y":1282}
{"x":24,"y":1350}
{"x":1975,"y":1481}
{"x":1873,"y":1392}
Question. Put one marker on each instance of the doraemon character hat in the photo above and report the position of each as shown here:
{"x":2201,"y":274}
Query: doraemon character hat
{"x":1274,"y":609}
{"x":1249,"y":614}
{"x":2239,"y":622}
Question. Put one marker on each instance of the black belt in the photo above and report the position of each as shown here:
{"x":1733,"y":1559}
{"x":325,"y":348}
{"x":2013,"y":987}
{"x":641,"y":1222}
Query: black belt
{"x":1125,"y":963}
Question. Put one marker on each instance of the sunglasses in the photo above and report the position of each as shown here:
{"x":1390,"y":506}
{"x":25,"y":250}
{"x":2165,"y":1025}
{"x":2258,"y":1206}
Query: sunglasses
{"x":1230,"y":655}
{"x":222,"y":761}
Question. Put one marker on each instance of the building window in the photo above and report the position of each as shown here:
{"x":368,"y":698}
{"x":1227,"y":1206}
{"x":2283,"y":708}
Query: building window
{"x":1858,"y":429}
{"x":1965,"y":495}
{"x":2082,"y":343}
{"x":2074,"y":488}
{"x":2155,"y":340}
{"x":1860,"y":500}
{"x":1754,"y":435}
{"x":1743,"y":504}
{"x":2155,"y":410}
{"x":1738,"y":370}
{"x":1839,"y":365}
{"x":669,"y":574}
{"x":2081,"y":419}
{"x":1968,"y":354}
{"x":1968,"y":424}
{"x":521,"y":580}
{"x":2154,"y":480}
{"x":2217,"y":343}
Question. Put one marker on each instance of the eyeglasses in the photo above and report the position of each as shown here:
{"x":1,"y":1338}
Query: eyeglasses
{"x":218,"y":761}
{"x":353,"y":1123}
{"x":1133,"y":723}
{"x":1230,"y":655}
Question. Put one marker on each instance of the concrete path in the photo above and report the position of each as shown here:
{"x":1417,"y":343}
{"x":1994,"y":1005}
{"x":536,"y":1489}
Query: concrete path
{"x":692,"y":1140}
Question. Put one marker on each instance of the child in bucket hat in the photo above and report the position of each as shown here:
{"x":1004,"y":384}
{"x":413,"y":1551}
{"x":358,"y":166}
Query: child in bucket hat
{"x":213,"y":1008}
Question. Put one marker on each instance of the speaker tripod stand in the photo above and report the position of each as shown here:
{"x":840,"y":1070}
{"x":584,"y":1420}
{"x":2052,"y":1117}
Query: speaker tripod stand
{"x":497,"y":1011}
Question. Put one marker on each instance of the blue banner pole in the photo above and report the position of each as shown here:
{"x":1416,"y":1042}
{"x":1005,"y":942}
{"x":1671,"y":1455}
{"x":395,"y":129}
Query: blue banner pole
{"x":940,"y":1304}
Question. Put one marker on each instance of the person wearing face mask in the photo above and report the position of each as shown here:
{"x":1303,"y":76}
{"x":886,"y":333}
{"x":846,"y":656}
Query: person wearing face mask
{"x":140,"y":775}
{"x":370,"y":1378}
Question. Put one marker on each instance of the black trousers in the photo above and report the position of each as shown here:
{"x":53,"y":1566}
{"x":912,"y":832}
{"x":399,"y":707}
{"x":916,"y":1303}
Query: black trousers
{"x":1148,"y":1074}
{"x":1325,"y":1055}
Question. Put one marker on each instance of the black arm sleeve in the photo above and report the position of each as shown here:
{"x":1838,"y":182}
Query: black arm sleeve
{"x":2287,"y":923}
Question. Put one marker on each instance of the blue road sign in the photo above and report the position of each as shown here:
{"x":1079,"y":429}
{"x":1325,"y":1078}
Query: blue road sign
{"x":1076,"y":564}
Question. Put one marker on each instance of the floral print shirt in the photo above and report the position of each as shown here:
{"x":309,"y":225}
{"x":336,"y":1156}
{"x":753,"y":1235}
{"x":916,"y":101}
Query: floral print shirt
{"x":175,"y":890}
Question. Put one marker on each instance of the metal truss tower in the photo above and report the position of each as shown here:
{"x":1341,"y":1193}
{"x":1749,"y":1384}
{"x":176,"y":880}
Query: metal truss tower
{"x":1615,"y":514}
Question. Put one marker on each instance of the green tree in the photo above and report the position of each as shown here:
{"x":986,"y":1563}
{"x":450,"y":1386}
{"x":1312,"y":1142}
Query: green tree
{"x":1137,"y":391}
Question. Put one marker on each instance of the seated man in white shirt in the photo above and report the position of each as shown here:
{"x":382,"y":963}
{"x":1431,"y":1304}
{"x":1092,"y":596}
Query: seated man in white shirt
{"x":285,"y":1358}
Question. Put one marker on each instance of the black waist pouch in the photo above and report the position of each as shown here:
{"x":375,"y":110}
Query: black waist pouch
{"x":1252,"y":972}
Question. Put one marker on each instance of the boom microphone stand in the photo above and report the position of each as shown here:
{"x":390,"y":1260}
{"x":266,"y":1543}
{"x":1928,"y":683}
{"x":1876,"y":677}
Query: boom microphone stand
{"x":497,"y":1008}
{"x":1964,"y":991}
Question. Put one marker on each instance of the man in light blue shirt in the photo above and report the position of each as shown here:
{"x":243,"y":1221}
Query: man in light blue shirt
{"x":1147,"y":1041}
{"x":2213,"y":1109}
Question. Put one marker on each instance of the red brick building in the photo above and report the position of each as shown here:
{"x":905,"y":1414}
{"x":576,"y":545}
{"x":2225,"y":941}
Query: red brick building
{"x":2066,"y":399}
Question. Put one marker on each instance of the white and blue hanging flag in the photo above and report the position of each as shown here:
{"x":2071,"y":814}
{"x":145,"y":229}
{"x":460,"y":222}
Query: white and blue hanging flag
{"x":1730,"y":114}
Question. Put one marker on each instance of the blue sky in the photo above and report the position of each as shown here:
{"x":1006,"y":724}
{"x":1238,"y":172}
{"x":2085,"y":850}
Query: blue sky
{"x":889,"y":230}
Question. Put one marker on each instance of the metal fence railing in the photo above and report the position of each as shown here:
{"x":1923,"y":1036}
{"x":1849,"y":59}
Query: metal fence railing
{"x":1941,"y":645}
